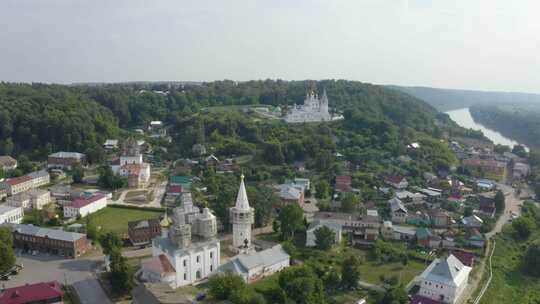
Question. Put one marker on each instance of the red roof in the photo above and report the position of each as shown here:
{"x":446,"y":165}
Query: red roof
{"x":17,"y":180}
{"x":343,"y":179}
{"x":81,"y":202}
{"x":416,"y":299}
{"x":467,"y":258}
{"x":175,"y":189}
{"x":396,"y":179}
{"x":32,"y":293}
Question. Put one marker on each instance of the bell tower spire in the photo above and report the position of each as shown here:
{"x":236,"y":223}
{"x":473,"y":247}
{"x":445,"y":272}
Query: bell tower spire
{"x":242,"y":217}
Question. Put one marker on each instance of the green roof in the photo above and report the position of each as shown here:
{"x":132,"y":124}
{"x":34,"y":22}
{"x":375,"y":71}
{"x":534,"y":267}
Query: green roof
{"x":422,"y":233}
{"x":180,"y":179}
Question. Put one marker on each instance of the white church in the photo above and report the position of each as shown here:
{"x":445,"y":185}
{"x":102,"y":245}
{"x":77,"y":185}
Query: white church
{"x":188,"y":251}
{"x":314,"y":109}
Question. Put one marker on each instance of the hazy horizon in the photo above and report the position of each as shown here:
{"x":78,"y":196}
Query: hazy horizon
{"x":484,"y":45}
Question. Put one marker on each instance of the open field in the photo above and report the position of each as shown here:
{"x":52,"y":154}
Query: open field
{"x":116,"y":219}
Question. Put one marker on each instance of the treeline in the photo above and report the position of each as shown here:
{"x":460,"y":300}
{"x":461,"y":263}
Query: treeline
{"x":38,"y":119}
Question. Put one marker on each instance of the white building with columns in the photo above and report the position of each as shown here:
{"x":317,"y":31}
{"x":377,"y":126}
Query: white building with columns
{"x":242,"y":218}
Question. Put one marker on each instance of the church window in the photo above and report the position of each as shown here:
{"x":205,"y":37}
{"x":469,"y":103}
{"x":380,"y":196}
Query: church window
{"x":198,"y":258}
{"x":211,"y":267}
{"x":185,"y":263}
{"x":185,"y":276}
{"x":211,"y":254}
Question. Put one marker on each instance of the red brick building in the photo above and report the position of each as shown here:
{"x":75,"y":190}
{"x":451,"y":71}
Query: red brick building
{"x":54,"y":241}
{"x":142,"y":232}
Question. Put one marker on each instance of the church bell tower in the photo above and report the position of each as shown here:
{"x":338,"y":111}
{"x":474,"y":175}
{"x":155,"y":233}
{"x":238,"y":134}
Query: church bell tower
{"x":242,"y":217}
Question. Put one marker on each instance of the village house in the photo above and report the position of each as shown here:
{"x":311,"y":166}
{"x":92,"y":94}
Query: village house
{"x":315,"y":225}
{"x":290,"y":194}
{"x":403,"y":233}
{"x":10,"y":214}
{"x":440,"y":218}
{"x":142,"y":232}
{"x":398,"y":211}
{"x":387,"y":230}
{"x":66,"y":160}
{"x":54,"y":241}
{"x":487,"y":205}
{"x":431,"y":194}
{"x":228,"y":166}
{"x":474,"y":238}
{"x":396,"y":181}
{"x":44,"y":292}
{"x":83,"y":206}
{"x":472,"y":221}
{"x":40,"y":178}
{"x":343,"y":183}
{"x":465,"y":257}
{"x":363,"y":231}
{"x":444,"y":280}
{"x":7,"y":163}
{"x":408,"y":197}
{"x":110,"y":144}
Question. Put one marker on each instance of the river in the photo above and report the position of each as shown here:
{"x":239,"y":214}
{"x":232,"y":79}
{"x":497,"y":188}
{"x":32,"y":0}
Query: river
{"x":463,"y":118}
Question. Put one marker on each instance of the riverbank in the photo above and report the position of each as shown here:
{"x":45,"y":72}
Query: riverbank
{"x":464,"y":119}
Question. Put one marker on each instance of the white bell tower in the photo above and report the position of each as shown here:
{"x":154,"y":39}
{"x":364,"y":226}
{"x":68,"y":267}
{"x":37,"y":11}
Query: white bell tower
{"x":242,"y":217}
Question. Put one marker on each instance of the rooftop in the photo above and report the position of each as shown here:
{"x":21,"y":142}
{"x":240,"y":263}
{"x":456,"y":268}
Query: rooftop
{"x":50,"y":233}
{"x":18,"y":180}
{"x":31,"y":293}
{"x":82,"y":201}
{"x":63,"y":154}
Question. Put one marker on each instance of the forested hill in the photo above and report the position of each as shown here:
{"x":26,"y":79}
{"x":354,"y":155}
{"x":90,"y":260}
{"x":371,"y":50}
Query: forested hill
{"x":37,"y":119}
{"x":448,"y":99}
{"x":521,"y":122}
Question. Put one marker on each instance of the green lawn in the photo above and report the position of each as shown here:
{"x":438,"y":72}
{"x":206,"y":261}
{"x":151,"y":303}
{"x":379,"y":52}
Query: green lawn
{"x":116,"y":219}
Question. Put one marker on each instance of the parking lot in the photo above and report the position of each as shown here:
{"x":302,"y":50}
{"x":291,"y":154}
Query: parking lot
{"x":76,"y":272}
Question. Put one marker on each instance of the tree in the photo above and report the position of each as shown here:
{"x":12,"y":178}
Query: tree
{"x":7,"y":257}
{"x":78,"y":174}
{"x":532,"y":259}
{"x":349,"y":202}
{"x":291,"y":249}
{"x":121,"y":273}
{"x":91,"y":229}
{"x":291,"y":219}
{"x":523,"y":227}
{"x":331,"y":280}
{"x":350,"y":272}
{"x":322,"y":189}
{"x":324,"y":238}
{"x":301,"y":285}
{"x":499,"y":201}
{"x":395,"y":295}
{"x":110,"y":241}
{"x":108,"y":179}
{"x":520,"y":151}
{"x":222,"y":286}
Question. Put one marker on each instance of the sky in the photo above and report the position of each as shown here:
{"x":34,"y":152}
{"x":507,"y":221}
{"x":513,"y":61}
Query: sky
{"x":465,"y":44}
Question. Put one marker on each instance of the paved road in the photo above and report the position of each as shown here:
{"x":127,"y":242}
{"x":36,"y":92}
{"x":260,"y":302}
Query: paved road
{"x":77,"y":272}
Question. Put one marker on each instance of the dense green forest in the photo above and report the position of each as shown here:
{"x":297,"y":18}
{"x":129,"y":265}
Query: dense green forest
{"x":521,"y":122}
{"x":37,"y":119}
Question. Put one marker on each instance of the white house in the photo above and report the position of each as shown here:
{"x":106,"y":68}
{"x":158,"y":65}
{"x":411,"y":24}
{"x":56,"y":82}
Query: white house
{"x":256,"y":265}
{"x":396,"y":181}
{"x":317,"y":224}
{"x":444,"y":280}
{"x":40,"y":178}
{"x":85,"y":205}
{"x":110,"y":144}
{"x":10,"y":214}
{"x":20,"y":200}
{"x":39,"y":198}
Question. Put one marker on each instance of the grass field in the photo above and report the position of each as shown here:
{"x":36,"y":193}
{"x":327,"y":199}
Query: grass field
{"x":116,"y":219}
{"x":509,"y":283}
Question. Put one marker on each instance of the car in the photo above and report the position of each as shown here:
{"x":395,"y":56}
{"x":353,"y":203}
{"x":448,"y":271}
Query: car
{"x":200,"y":297}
